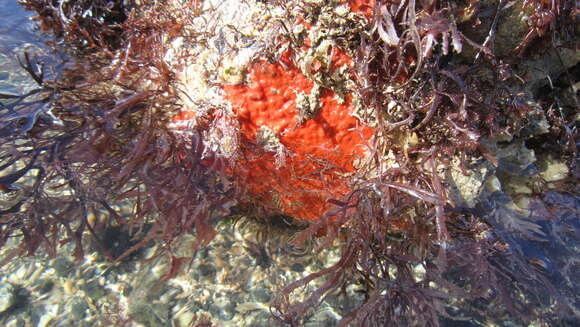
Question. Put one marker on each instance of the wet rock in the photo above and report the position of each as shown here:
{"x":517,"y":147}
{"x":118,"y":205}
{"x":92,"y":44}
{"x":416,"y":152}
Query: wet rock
{"x":516,"y":185}
{"x":150,"y":314}
{"x":117,"y":241}
{"x":62,"y":266}
{"x":7,"y":296}
{"x":78,"y":309}
{"x":545,"y":70}
{"x":324,"y":317}
{"x":466,"y":189}
{"x":553,"y":170}
{"x":514,"y":158}
{"x":44,"y":286}
{"x":511,"y":29}
{"x":262,"y":295}
{"x":207,"y":270}
{"x":16,"y":323}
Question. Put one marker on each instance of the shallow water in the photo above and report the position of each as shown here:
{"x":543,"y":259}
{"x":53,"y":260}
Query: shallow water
{"x":18,"y":33}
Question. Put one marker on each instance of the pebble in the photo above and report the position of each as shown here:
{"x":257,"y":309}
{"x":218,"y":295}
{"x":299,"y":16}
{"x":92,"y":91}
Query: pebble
{"x":7,"y":296}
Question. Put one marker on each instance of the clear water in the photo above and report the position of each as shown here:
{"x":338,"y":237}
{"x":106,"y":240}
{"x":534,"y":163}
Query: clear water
{"x":18,"y":33}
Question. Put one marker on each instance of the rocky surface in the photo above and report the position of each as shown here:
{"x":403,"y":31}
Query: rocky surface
{"x":231,"y":283}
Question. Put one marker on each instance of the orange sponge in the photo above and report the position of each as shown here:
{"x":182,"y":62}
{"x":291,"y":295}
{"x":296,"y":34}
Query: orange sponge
{"x":305,"y":161}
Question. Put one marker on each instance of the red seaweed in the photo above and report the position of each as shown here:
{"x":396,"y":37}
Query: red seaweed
{"x":437,"y":90}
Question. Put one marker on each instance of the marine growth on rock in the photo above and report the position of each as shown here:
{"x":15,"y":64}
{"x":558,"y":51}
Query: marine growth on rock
{"x":433,"y":146}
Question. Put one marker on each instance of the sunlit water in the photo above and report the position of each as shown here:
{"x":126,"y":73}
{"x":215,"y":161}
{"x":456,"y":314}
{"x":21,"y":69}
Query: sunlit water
{"x":18,"y":33}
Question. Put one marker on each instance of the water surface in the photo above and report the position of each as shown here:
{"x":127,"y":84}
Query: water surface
{"x":19,"y":33}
